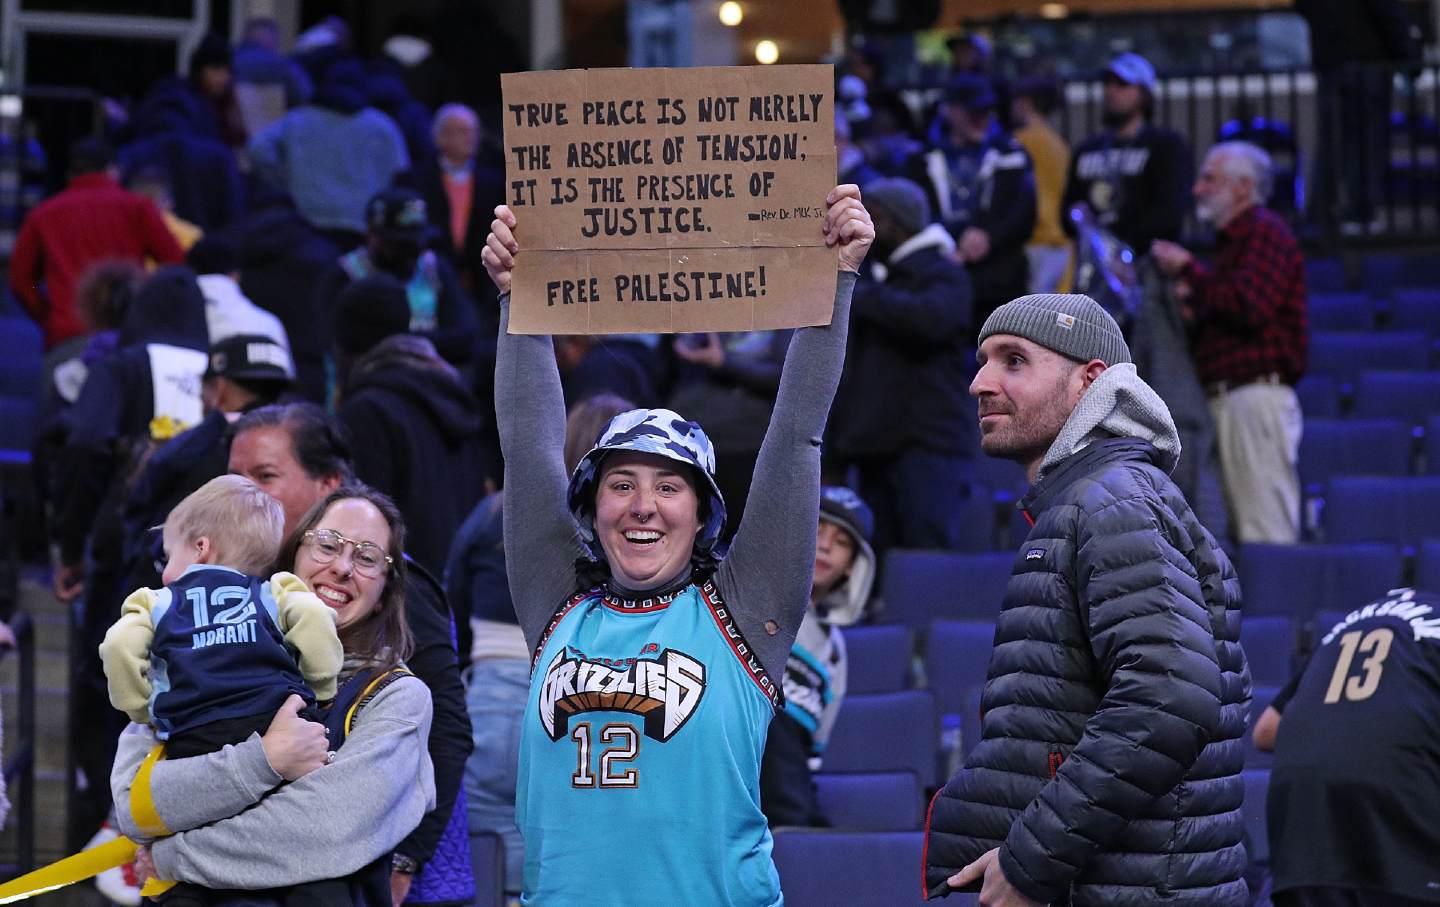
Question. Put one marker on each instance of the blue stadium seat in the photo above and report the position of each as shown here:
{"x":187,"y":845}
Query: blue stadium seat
{"x":18,"y":424}
{"x":885,"y":732}
{"x":957,"y":654}
{"x":825,"y":868}
{"x":22,"y":362}
{"x":1340,"y":312}
{"x":1368,"y":509}
{"x":1414,"y":309}
{"x":1257,"y":785}
{"x":921,"y":586}
{"x":1383,"y":274}
{"x":871,"y":801}
{"x":1261,"y":695}
{"x":1427,"y":566}
{"x":487,"y":858}
{"x":1374,"y":447}
{"x":878,"y":658}
{"x":1412,"y":397}
{"x":1345,"y":354}
{"x":1325,"y":275}
{"x":1005,"y":478}
{"x":1299,"y":580}
{"x":20,"y":336}
{"x":977,"y":521}
{"x":1269,"y":644}
{"x":1319,"y":396}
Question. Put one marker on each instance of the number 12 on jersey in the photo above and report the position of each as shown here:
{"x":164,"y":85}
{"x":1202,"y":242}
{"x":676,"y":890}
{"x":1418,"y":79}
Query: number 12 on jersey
{"x":622,"y":745}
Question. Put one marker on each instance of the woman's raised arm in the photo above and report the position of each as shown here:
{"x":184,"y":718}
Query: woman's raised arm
{"x":540,"y":542}
{"x":766,"y":577}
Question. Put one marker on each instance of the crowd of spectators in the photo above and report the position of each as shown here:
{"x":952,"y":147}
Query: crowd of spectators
{"x":216,"y":259}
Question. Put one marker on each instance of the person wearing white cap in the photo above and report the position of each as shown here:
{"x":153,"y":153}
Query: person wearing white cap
{"x":1134,"y":174}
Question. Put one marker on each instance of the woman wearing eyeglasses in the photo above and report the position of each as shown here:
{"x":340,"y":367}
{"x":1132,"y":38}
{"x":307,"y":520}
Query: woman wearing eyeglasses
{"x":228,"y":822}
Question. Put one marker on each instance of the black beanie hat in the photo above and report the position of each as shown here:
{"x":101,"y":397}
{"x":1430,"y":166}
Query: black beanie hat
{"x":368,"y":311}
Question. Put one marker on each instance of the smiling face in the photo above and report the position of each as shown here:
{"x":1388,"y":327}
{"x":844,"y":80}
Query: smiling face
{"x":266,"y":456}
{"x":647,"y":514}
{"x":352,"y":595}
{"x":1026,"y":393}
{"x":834,"y":555}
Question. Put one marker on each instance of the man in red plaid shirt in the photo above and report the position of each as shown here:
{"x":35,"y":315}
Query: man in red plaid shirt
{"x":1248,"y":312}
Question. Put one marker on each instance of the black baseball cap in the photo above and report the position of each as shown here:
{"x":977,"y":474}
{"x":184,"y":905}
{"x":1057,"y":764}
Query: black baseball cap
{"x":398,"y":215}
{"x":250,"y":357}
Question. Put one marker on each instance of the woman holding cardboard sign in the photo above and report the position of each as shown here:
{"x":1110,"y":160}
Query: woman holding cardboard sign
{"x":658,"y":655}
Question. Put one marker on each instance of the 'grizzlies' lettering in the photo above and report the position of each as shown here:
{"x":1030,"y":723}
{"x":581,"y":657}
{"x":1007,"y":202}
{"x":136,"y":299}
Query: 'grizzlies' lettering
{"x":665,"y":691}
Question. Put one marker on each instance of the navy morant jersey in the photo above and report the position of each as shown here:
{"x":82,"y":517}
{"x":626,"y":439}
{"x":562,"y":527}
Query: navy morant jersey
{"x":218,"y":652}
{"x":1355,"y":790}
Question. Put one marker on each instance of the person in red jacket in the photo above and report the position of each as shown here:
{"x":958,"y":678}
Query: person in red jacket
{"x":91,"y":220}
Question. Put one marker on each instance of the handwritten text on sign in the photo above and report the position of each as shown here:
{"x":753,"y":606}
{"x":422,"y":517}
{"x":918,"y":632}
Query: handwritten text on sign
{"x":670,"y":199}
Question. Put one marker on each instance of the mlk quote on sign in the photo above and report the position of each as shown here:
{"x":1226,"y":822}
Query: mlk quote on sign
{"x":670,"y":200}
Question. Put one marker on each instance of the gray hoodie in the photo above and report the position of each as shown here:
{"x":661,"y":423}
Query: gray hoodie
{"x":1118,"y":404}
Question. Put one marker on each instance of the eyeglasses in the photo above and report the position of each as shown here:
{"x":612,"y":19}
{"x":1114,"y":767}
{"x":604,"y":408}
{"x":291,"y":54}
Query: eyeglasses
{"x":327,"y":544}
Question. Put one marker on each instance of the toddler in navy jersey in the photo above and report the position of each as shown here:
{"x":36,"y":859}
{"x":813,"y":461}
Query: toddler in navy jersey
{"x":209,"y":659}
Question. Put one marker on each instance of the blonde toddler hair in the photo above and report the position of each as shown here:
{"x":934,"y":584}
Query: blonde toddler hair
{"x":244,"y":524}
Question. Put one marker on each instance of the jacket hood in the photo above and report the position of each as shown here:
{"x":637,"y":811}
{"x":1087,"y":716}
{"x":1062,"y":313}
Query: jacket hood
{"x":934,"y":236}
{"x":168,"y":308}
{"x":1119,"y":404}
{"x":409,"y":367}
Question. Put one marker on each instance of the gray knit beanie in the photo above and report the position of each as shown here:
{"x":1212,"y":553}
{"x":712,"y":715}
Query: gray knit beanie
{"x":1071,"y":324}
{"x":903,"y":199}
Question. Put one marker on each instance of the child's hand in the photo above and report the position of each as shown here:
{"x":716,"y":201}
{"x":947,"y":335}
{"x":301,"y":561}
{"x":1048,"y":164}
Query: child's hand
{"x":294,"y":747}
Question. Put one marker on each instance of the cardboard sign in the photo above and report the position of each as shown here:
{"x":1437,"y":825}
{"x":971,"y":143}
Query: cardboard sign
{"x":670,"y":200}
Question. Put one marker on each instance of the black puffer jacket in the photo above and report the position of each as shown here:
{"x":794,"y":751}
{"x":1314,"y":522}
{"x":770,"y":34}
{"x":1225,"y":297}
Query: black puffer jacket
{"x":1109,"y":767}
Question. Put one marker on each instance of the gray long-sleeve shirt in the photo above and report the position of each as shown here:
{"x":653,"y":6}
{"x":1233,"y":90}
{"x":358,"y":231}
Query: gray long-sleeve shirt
{"x":329,"y":824}
{"x":765,"y":577}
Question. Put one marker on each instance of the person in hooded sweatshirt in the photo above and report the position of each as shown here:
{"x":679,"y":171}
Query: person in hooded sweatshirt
{"x":300,"y":153}
{"x":145,"y":392}
{"x":414,"y":427}
{"x":901,"y":415}
{"x":1113,"y":717}
{"x":817,"y":671}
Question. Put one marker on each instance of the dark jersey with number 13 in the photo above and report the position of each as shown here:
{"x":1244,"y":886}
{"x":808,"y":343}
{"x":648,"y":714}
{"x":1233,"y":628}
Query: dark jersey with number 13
{"x":1355,"y":790}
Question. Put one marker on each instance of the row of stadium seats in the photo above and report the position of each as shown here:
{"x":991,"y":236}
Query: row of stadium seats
{"x":921,"y":587}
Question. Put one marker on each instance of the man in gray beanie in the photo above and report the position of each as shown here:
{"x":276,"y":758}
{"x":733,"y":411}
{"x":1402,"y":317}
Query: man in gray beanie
{"x":1108,"y":769}
{"x":901,"y":416}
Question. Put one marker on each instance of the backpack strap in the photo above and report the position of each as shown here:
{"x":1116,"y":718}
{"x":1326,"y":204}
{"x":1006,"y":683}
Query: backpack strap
{"x":372,"y":690}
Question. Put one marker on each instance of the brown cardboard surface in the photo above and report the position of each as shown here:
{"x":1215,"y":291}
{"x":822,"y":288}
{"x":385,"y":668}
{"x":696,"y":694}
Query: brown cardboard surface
{"x":614,"y":173}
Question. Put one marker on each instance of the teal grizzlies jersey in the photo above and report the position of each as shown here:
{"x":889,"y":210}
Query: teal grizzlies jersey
{"x":640,"y":757}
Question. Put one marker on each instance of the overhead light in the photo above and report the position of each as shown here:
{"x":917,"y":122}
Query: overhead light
{"x":766,"y":52}
{"x":1054,"y":11}
{"x":731,"y":13}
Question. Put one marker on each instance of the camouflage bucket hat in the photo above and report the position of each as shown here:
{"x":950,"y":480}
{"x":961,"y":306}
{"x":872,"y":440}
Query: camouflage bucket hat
{"x":654,"y":431}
